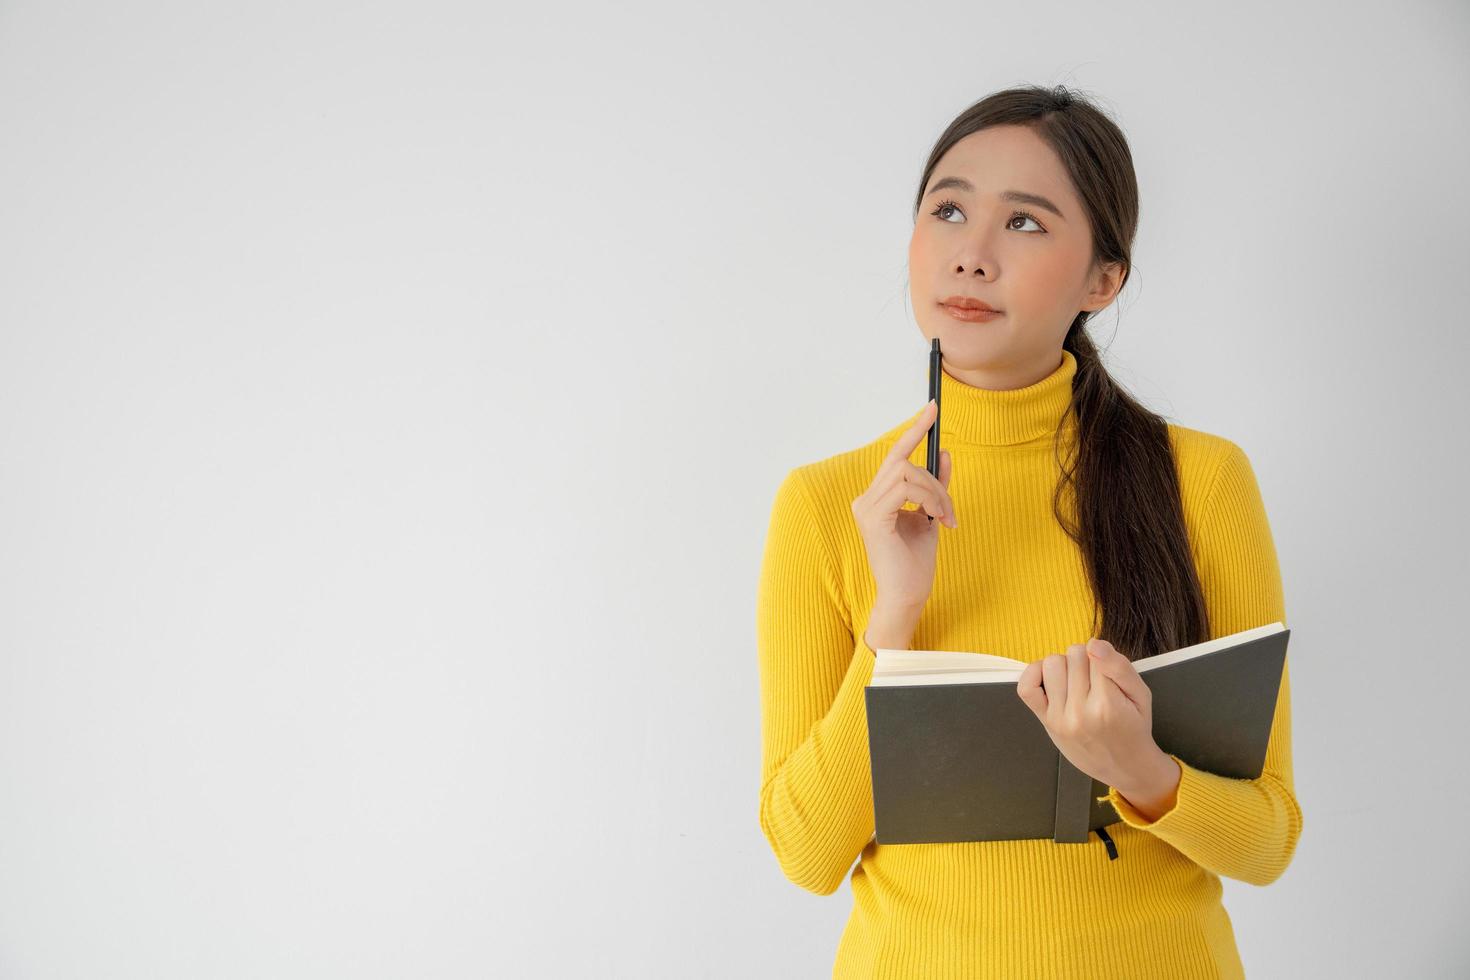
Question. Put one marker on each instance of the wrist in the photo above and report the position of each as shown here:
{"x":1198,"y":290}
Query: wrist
{"x":892,"y":625}
{"x":1157,"y":791}
{"x":899,"y":610}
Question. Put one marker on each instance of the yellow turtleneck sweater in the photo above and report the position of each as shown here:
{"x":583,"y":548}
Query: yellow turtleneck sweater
{"x":1008,"y":581}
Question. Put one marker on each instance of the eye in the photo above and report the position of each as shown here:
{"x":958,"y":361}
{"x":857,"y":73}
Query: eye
{"x":1029,"y":217}
{"x":945,"y":206}
{"x":955,"y":208}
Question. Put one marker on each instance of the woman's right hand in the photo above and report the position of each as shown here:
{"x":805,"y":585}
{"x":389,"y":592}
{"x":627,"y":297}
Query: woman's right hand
{"x":901,"y":543}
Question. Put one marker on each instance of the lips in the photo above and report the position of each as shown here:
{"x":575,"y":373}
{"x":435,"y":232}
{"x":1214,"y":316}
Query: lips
{"x":967,"y":303}
{"x":971,"y":316}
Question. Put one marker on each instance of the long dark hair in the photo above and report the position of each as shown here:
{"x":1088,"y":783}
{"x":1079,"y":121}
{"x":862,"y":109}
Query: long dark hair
{"x":1125,"y":489}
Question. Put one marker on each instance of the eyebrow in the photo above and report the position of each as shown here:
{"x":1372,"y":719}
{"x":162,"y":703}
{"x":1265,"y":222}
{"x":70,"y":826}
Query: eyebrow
{"x":1020,"y":196}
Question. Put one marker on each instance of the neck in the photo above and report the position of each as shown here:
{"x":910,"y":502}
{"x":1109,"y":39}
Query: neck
{"x":971,"y":415}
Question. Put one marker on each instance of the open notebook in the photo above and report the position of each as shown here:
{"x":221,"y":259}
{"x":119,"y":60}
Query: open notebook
{"x":956,"y":755}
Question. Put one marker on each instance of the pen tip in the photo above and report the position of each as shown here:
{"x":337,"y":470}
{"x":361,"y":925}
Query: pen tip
{"x":934,"y":344}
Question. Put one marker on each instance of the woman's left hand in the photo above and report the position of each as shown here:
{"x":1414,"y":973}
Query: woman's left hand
{"x":1098,"y":711}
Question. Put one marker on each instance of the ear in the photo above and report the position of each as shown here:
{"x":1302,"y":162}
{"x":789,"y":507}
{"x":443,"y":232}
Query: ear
{"x":1106,"y":281}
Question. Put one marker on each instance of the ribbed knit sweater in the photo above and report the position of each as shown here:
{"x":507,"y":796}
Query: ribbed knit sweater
{"x":1008,"y":581}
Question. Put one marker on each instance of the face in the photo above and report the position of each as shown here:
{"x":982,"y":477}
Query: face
{"x":1020,"y":256}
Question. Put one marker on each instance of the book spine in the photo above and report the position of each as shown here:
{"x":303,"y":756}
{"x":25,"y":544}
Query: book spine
{"x":1074,"y":803}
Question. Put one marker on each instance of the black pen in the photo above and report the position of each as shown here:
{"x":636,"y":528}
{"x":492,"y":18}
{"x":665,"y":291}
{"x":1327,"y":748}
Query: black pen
{"x":935,"y":371}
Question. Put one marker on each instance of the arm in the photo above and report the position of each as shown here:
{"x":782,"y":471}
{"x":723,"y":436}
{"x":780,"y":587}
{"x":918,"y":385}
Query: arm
{"x":1245,"y":829}
{"x":816,"y":801}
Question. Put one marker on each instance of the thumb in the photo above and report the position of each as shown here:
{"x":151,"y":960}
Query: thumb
{"x":946,"y":466}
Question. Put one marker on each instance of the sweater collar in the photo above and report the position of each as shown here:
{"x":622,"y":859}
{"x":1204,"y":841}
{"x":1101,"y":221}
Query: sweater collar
{"x":1001,"y":417}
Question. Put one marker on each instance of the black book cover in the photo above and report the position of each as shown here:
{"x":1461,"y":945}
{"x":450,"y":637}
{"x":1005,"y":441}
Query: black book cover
{"x":971,"y":762}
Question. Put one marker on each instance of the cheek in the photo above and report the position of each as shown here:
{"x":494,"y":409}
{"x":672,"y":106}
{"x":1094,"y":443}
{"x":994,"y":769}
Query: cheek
{"x":921,"y":252}
{"x":1038,"y":285}
{"x":1058,"y":274}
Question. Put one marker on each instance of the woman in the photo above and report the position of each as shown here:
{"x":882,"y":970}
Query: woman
{"x":1073,"y":519}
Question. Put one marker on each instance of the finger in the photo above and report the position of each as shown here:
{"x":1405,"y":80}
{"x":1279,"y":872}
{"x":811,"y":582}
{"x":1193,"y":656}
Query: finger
{"x":1100,"y":683}
{"x":1119,"y":669}
{"x":1108,"y":689}
{"x":924,"y":483}
{"x":943,"y":480}
{"x":890,"y":473}
{"x":1030,"y":690}
{"x":921,"y":476}
{"x":1078,"y":678}
{"x":946,"y":468}
{"x":1054,"y":679}
{"x":905,"y":445}
{"x":904,"y":492}
{"x":888,"y":476}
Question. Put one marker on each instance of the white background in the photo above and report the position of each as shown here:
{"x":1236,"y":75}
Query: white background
{"x":392,"y":399}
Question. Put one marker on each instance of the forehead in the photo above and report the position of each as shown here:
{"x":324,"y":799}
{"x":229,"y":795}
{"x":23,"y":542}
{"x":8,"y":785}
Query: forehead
{"x":1004,"y":157}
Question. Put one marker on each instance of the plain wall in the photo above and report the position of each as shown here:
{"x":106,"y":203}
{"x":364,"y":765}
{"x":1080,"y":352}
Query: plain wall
{"x":392,"y":400}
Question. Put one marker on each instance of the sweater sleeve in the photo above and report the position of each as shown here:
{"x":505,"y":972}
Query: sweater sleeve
{"x":1246,"y":829}
{"x":816,"y":799}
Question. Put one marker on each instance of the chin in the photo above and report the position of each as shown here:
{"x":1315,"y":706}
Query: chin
{"x":975,"y":346}
{"x":970,"y":336}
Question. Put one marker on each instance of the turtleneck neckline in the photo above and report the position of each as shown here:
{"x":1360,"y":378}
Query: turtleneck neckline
{"x":969,"y":415}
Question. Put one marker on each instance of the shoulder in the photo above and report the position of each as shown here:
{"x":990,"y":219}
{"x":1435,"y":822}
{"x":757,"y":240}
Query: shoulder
{"x":1229,"y":533}
{"x":1199,"y":454}
{"x":833,"y":482}
{"x":813,"y":501}
{"x":1210,"y":467}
